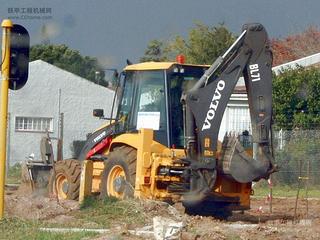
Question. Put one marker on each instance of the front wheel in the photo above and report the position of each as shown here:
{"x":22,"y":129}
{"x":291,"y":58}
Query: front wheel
{"x":65,"y":179}
{"x":118,"y":176}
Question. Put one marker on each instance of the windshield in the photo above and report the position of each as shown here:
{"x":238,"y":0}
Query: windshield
{"x":143,"y":103}
{"x":150,"y":100}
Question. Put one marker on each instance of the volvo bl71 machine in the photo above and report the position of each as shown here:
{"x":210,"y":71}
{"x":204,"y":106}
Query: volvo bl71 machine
{"x":163,"y":142}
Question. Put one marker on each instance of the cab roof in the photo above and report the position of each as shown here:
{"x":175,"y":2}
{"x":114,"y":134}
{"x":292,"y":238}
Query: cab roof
{"x":156,"y":66}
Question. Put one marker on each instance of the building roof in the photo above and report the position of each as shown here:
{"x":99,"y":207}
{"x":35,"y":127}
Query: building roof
{"x":303,"y":62}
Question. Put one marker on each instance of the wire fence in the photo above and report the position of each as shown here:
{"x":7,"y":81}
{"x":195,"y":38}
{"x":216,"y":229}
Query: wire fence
{"x":297,"y":153}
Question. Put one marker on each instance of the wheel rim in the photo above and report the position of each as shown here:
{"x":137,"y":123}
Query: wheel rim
{"x":62,"y":186}
{"x":115,"y":182}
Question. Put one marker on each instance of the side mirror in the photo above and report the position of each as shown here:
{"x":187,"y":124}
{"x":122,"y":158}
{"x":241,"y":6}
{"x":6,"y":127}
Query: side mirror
{"x":98,"y":113}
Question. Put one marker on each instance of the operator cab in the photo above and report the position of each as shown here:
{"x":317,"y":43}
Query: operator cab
{"x":151,"y":99}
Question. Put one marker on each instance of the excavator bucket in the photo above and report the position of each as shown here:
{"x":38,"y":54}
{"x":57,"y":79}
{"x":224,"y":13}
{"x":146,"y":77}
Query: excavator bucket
{"x":237,"y":163}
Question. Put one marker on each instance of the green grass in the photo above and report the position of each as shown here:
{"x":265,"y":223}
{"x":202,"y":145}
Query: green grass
{"x":17,"y":229}
{"x":14,"y":174}
{"x":286,"y":191}
{"x":110,"y":210}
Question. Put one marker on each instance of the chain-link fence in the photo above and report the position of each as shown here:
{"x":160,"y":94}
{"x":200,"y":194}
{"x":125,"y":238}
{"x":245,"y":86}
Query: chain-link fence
{"x":297,"y":153}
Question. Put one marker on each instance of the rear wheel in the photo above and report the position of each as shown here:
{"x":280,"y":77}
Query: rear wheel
{"x":119,"y":174}
{"x":65,"y":179}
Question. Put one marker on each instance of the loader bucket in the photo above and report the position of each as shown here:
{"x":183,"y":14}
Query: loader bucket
{"x":34,"y":178}
{"x":235,"y":161}
{"x":35,"y":173}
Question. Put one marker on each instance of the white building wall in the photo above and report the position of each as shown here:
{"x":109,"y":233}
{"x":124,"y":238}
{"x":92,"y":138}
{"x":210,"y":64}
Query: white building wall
{"x":40,"y":98}
{"x":236,"y":117}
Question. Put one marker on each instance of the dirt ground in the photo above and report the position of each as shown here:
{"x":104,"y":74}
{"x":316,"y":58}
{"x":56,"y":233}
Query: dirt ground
{"x":257,"y":223}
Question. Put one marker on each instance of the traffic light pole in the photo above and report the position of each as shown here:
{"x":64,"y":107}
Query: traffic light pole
{"x":5,"y":60}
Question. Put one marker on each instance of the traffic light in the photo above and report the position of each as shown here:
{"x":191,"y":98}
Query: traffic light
{"x":19,"y":57}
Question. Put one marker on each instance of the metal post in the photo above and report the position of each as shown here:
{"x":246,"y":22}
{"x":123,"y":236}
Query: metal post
{"x":307,"y":187}
{"x":298,"y":191}
{"x":60,"y":130}
{"x":297,"y":198}
{"x":60,"y":138}
{"x":5,"y":60}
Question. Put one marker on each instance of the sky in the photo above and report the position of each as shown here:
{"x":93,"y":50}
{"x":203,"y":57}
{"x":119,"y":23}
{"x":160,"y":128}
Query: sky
{"x":116,"y":30}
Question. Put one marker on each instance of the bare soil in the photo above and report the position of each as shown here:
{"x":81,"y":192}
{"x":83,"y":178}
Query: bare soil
{"x":37,"y":207}
{"x":257,"y":223}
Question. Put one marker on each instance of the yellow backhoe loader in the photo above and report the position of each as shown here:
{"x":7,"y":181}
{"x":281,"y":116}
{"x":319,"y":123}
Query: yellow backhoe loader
{"x":163,"y":142}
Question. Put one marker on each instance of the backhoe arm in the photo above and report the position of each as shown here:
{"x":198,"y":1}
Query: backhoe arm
{"x":251,"y":57}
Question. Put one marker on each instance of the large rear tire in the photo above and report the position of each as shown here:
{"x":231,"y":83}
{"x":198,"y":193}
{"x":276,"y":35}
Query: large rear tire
{"x":65,"y":179}
{"x":119,"y":174}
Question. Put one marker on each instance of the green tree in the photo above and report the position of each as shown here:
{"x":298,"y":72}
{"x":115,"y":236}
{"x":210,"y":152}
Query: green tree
{"x":202,"y":46}
{"x":204,"y":43}
{"x":69,"y":60}
{"x":296,"y":99}
{"x":155,"y":52}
